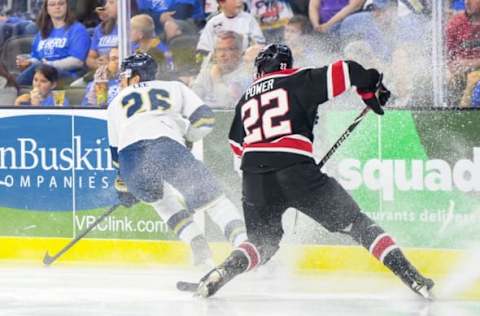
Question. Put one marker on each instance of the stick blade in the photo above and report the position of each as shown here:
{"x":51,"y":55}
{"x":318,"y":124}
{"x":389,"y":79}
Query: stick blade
{"x":187,"y":286}
{"x":47,"y":259}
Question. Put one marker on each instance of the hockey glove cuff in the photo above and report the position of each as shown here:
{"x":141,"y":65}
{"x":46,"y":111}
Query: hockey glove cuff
{"x":125,"y":198}
{"x":376,"y":99}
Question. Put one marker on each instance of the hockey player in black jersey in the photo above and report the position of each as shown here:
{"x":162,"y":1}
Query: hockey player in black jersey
{"x":272,"y":133}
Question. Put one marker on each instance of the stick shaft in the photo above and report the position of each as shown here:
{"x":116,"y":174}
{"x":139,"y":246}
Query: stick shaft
{"x":344,"y":136}
{"x":81,"y":235}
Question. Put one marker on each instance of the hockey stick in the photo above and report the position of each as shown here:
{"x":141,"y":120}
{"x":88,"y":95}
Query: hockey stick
{"x":337,"y":144}
{"x":192,"y":287}
{"x":344,"y":136}
{"x":185,"y":286}
{"x":48,"y":260}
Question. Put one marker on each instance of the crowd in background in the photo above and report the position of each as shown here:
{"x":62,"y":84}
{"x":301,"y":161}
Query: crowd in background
{"x":65,"y":52}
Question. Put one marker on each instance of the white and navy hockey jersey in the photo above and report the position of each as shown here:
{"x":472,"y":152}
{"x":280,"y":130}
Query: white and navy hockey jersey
{"x":149,"y":110}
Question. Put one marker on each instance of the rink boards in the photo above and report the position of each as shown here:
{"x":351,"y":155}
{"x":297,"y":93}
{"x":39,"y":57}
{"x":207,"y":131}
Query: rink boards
{"x":416,"y":172}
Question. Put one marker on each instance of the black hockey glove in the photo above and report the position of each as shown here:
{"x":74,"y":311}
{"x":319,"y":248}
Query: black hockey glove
{"x":377,"y":98}
{"x":125,"y":198}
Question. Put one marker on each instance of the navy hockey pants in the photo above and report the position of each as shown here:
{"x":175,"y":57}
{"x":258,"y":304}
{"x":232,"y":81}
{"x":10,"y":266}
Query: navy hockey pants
{"x":146,"y":164}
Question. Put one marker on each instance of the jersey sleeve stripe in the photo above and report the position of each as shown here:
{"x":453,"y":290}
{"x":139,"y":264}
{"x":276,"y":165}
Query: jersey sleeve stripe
{"x":204,"y":122}
{"x":338,"y":79}
{"x":203,"y":115}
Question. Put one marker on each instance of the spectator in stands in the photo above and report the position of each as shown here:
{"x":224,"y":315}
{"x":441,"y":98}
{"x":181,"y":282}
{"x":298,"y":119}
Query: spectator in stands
{"x":108,"y":73}
{"x":326,"y":15}
{"x":105,"y":37}
{"x":457,"y":5}
{"x":475,"y":99}
{"x":384,"y":30}
{"x":61,"y":42}
{"x":463,"y":48}
{"x":419,"y":7}
{"x":231,"y":18}
{"x":86,"y":12}
{"x":16,"y":19}
{"x":8,"y":87}
{"x":471,"y":93}
{"x":177,"y":9}
{"x":144,"y":40}
{"x":222,"y":81}
{"x":173,"y":28}
{"x":44,"y":81}
{"x":272,"y":16}
{"x":296,"y":34}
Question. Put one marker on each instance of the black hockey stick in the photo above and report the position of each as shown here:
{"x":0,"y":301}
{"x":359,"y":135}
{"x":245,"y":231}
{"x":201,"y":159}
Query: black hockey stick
{"x":48,"y":260}
{"x":337,"y":144}
{"x":185,"y":286}
{"x":342,"y":138}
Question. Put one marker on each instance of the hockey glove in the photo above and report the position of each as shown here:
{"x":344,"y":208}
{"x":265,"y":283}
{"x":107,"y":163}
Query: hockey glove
{"x":125,"y":198}
{"x":377,"y":98}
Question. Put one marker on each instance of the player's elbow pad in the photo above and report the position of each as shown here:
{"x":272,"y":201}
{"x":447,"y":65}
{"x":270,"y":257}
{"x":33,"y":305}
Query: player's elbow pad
{"x":195,"y":134}
{"x":201,"y":123}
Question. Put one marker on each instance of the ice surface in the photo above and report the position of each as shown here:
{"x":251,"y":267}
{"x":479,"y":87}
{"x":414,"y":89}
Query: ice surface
{"x":70,"y":291}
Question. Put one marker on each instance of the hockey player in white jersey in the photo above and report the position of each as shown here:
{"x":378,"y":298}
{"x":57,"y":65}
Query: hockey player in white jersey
{"x":149,"y":124}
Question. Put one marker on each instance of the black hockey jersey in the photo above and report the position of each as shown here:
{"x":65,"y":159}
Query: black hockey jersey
{"x":275,"y":117}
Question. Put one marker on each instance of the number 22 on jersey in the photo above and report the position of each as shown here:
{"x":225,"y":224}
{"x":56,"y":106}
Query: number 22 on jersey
{"x":149,"y":100}
{"x":259,"y":126}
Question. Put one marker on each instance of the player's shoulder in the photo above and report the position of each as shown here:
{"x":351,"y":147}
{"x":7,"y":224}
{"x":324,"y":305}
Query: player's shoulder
{"x":170,"y":86}
{"x":287,"y":73}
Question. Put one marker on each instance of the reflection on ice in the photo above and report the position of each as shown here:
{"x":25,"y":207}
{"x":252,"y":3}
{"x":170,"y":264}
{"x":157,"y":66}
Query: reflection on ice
{"x":121,"y":291}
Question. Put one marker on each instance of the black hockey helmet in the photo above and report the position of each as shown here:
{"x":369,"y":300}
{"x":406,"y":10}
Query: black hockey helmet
{"x":273,"y":57}
{"x":140,"y":64}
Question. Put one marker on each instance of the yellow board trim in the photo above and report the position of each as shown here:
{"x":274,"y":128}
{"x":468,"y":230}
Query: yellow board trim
{"x":309,"y":257}
{"x":436,"y":263}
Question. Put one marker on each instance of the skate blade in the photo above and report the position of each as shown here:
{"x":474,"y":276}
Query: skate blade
{"x":427,"y":294}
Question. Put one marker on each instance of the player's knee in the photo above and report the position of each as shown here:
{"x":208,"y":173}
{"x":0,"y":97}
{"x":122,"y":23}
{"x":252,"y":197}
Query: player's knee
{"x":148,"y":195}
{"x":363,"y":229}
{"x":268,"y":246}
{"x":148,"y":190}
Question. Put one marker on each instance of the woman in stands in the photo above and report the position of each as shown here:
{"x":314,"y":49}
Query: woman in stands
{"x":105,"y":36}
{"x":45,"y":80}
{"x":62,"y":42}
{"x":325,"y":15}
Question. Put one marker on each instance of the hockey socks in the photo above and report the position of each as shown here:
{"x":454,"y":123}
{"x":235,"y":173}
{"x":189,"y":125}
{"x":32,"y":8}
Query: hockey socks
{"x":224,"y":213}
{"x":383,"y":247}
{"x":180,"y":221}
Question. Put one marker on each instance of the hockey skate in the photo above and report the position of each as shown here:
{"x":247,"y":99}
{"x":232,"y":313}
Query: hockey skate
{"x":417,"y":283}
{"x":212,"y":282}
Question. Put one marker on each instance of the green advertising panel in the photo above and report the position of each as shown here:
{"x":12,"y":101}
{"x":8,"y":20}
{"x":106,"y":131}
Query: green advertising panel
{"x":415,"y":172}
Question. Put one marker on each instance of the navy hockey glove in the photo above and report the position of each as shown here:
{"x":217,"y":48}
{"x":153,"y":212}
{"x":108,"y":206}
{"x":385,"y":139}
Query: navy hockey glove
{"x":377,"y":98}
{"x":126,"y":198}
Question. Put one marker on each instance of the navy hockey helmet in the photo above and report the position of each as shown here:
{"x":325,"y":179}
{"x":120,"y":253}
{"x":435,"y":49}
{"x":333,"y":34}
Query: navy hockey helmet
{"x":273,"y":57}
{"x":140,"y":64}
